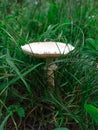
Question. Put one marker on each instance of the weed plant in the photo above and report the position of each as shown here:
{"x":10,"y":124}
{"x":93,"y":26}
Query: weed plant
{"x":25,"y":102}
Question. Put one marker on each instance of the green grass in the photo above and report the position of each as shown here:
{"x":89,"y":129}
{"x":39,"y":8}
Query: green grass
{"x":25,"y":100}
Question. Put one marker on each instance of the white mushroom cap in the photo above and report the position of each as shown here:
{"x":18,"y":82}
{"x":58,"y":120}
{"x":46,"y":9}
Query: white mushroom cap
{"x":47,"y":49}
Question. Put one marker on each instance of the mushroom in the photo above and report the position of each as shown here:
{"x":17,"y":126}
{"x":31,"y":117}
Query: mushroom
{"x":49,"y":51}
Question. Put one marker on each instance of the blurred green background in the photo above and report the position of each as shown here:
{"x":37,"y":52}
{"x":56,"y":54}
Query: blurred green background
{"x":25,"y":101}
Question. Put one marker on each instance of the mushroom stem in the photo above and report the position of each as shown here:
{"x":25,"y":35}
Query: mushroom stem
{"x":50,"y":72}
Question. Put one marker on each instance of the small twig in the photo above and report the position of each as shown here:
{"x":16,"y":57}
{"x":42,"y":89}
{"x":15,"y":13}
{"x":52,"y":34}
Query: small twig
{"x":29,"y":114}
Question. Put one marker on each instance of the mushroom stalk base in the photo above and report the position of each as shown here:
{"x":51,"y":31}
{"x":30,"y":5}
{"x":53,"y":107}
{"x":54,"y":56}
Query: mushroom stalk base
{"x":51,"y":67}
